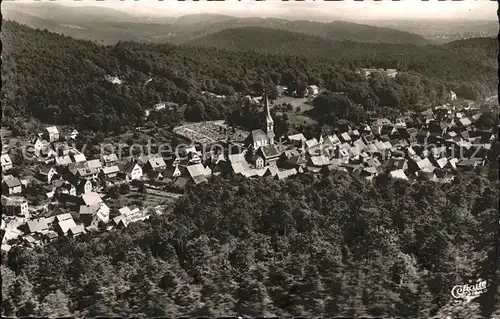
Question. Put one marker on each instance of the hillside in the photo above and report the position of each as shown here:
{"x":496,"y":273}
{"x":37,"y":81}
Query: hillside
{"x":267,"y":40}
{"x":490,"y":44}
{"x":110,"y":26}
{"x":336,"y":31}
{"x":44,"y":71}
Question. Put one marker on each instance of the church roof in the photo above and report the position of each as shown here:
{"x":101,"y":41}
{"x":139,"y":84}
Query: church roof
{"x":258,"y":135}
{"x":270,"y":151}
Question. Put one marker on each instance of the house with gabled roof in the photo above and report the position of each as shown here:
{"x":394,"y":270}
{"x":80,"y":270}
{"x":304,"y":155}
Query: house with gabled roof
{"x":267,"y":156}
{"x":64,"y":223}
{"x":311,"y":145}
{"x":11,"y":186}
{"x":65,"y":187}
{"x":357,"y":148}
{"x":155,"y":164}
{"x":197,"y":173}
{"x":62,"y":148}
{"x":109,"y":160}
{"x":15,"y":206}
{"x":94,"y":164}
{"x":469,"y":163}
{"x":39,"y":144}
{"x":319,"y":161}
{"x":6,"y":162}
{"x":46,"y":173}
{"x":108,"y":172}
{"x":283,"y":174}
{"x":398,"y":174}
{"x":76,"y":231}
{"x":51,"y":134}
{"x":63,"y":160}
{"x":83,"y":186}
{"x":345,"y":137}
{"x":95,"y":214}
{"x":464,"y":122}
{"x":133,"y":171}
{"x":87,"y":173}
{"x":439,"y":163}
{"x":91,"y":198}
{"x":373,"y":162}
{"x":37,"y":226}
{"x":415,"y":166}
{"x":77,"y":157}
{"x":172,"y":172}
{"x":427,"y":174}
{"x":296,"y":139}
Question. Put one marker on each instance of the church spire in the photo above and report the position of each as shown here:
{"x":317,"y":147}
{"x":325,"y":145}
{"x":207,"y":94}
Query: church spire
{"x":269,"y":120}
{"x":267,"y":109}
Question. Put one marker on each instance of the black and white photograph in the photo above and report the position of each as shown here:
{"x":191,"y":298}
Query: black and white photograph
{"x":250,"y":159}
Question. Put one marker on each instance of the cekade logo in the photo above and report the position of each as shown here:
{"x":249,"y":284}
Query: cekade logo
{"x":468,"y":292}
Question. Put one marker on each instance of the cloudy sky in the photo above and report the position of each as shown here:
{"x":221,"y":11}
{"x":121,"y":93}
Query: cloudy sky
{"x":348,"y":9}
{"x":313,"y":9}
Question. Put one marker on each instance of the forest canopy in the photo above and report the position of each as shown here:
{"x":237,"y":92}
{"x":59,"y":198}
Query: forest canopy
{"x":308,"y":246}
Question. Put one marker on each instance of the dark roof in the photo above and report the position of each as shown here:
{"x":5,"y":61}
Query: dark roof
{"x":129,"y":167}
{"x":12,"y":182}
{"x":270,"y":151}
{"x":412,"y":131}
{"x":297,"y":160}
{"x":45,"y":169}
{"x":467,"y":162}
{"x":373,"y":162}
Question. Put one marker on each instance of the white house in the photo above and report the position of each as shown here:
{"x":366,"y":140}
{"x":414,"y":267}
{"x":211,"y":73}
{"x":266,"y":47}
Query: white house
{"x":15,"y":206}
{"x":312,"y":90}
{"x":73,"y":135}
{"x":160,"y":106}
{"x":11,"y":185}
{"x":133,"y":171}
{"x":51,"y":134}
{"x":47,"y":173}
{"x":113,"y":79}
{"x":453,"y":96}
{"x":6,"y":162}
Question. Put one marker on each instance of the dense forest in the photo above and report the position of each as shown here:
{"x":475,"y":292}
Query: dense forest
{"x":60,"y":80}
{"x":309,"y":246}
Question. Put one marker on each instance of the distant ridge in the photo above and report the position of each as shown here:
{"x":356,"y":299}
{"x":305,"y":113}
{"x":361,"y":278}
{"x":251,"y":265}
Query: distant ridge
{"x":266,"y":40}
{"x":109,"y":26}
{"x":337,"y":30}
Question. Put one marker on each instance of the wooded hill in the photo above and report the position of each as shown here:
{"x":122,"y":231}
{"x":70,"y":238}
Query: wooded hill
{"x":114,"y":26}
{"x":60,"y":80}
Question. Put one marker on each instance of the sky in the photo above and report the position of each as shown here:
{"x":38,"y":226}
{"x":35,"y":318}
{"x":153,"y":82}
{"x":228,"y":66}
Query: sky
{"x":347,"y":9}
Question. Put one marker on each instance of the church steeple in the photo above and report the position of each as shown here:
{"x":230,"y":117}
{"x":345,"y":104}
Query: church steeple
{"x":269,"y":120}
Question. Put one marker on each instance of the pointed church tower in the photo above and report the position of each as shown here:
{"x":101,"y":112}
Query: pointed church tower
{"x":269,"y":120}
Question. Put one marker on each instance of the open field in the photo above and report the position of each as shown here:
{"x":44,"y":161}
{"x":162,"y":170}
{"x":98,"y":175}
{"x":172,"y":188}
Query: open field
{"x":301,"y":103}
{"x":300,"y":106}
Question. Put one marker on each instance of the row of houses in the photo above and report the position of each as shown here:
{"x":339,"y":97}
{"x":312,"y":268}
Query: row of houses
{"x":433,"y":145}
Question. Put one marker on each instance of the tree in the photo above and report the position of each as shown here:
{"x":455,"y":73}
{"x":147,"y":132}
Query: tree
{"x":55,"y":304}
